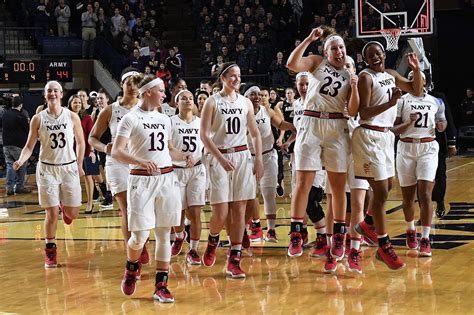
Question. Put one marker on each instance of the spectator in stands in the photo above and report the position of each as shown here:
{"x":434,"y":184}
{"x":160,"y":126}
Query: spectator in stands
{"x":173,"y":63}
{"x":242,"y":59}
{"x":217,"y":66}
{"x":89,"y":20}
{"x":62,"y":14}
{"x":116,"y":21}
{"x":226,"y":54}
{"x":278,"y":72}
{"x":231,"y":34}
{"x":152,"y":61}
{"x":15,"y":122}
{"x":154,"y":30}
{"x":161,"y":52}
{"x":103,"y":24}
{"x":180,"y":55}
{"x":138,"y":30}
{"x":41,"y":19}
{"x":466,"y":109}
{"x":255,"y":55}
{"x":207,"y":57}
{"x":360,"y":63}
{"x":147,"y":40}
{"x":205,"y":85}
{"x":123,"y":37}
{"x":164,"y":74}
{"x":135,"y":60}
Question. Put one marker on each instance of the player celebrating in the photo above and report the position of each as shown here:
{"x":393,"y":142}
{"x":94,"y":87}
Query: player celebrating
{"x":153,"y":197}
{"x":372,"y":143}
{"x":59,"y":167}
{"x":418,"y":118}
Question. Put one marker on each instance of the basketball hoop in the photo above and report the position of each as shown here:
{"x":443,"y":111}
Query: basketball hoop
{"x":391,"y":35}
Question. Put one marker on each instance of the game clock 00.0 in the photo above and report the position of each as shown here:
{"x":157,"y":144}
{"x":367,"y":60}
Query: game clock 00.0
{"x":35,"y":71}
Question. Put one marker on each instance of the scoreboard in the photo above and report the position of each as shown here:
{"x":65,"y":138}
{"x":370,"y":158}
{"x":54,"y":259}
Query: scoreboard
{"x":35,"y":71}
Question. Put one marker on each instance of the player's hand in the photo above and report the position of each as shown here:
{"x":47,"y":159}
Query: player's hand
{"x":284,"y":147}
{"x":189,"y":160}
{"x":227,"y":164}
{"x":92,"y":156}
{"x":17,"y":165}
{"x":452,"y":151}
{"x":396,"y":94}
{"x":413,"y":61}
{"x":81,"y":171}
{"x":315,"y":34}
{"x":413,"y":117}
{"x":258,"y":169}
{"x":354,"y":80}
{"x":108,"y":148}
{"x":279,"y":142}
{"x":150,"y":166}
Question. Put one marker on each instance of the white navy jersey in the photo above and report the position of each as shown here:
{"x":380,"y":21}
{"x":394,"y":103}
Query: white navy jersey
{"x":229,"y":128}
{"x":168,"y":110}
{"x":148,"y":134}
{"x":383,"y":84}
{"x":56,"y":136}
{"x":264,"y":125}
{"x":185,"y":137}
{"x":118,"y":112}
{"x":298,"y":112}
{"x":328,"y":89}
{"x":428,"y":109}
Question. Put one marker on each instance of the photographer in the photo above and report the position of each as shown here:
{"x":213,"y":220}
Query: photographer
{"x":15,"y":122}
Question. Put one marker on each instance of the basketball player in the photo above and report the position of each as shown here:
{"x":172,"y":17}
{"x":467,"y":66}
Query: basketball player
{"x":192,"y":181}
{"x":372,"y":143}
{"x":322,"y":137}
{"x":265,"y":118}
{"x":59,"y":166}
{"x":176,"y":85}
{"x":117,"y":172}
{"x":225,"y":119}
{"x":418,"y":119}
{"x":143,"y":141}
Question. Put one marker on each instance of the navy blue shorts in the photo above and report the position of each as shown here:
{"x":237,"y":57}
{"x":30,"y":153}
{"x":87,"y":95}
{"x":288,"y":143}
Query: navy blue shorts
{"x":91,"y":168}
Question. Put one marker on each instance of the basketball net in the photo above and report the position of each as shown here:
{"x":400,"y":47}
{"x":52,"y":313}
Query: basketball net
{"x":391,"y":35}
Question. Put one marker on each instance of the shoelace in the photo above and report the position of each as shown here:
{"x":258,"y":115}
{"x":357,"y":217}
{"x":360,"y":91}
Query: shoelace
{"x":50,"y":255}
{"x":193,"y":254}
{"x":329,"y":257}
{"x":338,"y":242}
{"x":411,"y":235}
{"x":389,"y":251}
{"x":354,"y":256}
{"x":130,"y":278}
{"x":424,"y":242}
{"x":295,"y":241}
{"x":272,"y":233}
{"x":210,"y":248}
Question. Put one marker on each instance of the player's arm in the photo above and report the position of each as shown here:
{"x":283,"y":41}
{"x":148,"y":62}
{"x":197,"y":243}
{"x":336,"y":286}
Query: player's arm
{"x":297,"y":63}
{"x":80,"y":142}
{"x":100,"y":126}
{"x":354,"y":99}
{"x":30,"y":143}
{"x":415,"y":86}
{"x":178,"y":155}
{"x":256,"y":141}
{"x":440,"y":118}
{"x":366,"y":111}
{"x":279,"y":123}
{"x":401,"y":126}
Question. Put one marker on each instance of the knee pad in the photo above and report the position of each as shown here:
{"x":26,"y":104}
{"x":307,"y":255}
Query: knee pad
{"x":138,"y":239}
{"x":314,"y":209}
{"x":163,"y":246}
{"x":269,"y":200}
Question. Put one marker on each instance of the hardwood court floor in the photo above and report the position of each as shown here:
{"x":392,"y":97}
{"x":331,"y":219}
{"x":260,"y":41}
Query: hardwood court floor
{"x":92,"y":259}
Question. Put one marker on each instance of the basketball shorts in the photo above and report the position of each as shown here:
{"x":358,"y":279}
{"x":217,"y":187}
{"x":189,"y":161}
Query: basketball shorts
{"x":322,"y":142}
{"x":116,"y":175}
{"x":153,"y":201}
{"x":58,"y":183}
{"x":373,"y":153}
{"x":237,"y":185}
{"x":416,"y":161}
{"x":192,"y":185}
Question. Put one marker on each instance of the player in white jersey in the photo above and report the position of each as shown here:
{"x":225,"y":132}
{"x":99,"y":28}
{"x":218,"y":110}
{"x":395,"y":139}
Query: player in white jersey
{"x":59,"y":167}
{"x":265,"y":118}
{"x":418,"y":119}
{"x":116,"y":172}
{"x":143,"y":141}
{"x":192,"y":181}
{"x":373,"y":143}
{"x":322,"y":138}
{"x":225,"y":119}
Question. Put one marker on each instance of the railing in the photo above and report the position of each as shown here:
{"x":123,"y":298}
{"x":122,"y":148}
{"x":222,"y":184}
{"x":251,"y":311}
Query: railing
{"x":110,"y":58}
{"x":18,"y":41}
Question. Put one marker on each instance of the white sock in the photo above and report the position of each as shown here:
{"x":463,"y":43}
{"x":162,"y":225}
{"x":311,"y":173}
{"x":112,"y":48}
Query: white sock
{"x":411,"y":225}
{"x":236,"y":247}
{"x":355,"y":243}
{"x":271,"y":224}
{"x":50,"y":240}
{"x":425,"y":233}
{"x":194,"y":244}
{"x":187,"y":221}
{"x":329,"y":240}
{"x":180,"y":235}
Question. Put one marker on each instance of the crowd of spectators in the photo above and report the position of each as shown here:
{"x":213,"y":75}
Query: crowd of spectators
{"x":257,"y":34}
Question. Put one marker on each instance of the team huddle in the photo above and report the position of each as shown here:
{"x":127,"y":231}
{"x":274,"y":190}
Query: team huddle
{"x":162,"y":170}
